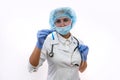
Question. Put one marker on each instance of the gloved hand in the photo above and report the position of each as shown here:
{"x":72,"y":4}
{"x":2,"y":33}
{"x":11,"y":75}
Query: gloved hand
{"x":41,"y":36}
{"x":83,"y":49}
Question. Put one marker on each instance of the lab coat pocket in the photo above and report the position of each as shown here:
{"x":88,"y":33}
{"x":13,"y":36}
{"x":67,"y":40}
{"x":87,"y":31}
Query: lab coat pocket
{"x":67,"y":74}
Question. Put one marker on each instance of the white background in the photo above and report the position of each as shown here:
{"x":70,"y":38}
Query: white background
{"x":98,"y":26}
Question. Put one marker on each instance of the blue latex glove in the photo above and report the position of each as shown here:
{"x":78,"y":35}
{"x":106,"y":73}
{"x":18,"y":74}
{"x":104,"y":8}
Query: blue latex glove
{"x":83,"y":49}
{"x":41,"y":36}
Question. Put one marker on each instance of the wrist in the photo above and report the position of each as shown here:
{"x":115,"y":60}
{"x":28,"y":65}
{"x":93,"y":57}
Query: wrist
{"x":39,"y":45}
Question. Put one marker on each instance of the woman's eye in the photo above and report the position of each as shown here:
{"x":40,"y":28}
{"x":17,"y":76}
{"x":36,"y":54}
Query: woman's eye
{"x":65,"y":20}
{"x":58,"y":21}
{"x":62,"y":20}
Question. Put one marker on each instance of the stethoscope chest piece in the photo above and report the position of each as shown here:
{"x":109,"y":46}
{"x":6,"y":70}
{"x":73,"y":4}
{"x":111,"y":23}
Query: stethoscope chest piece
{"x":51,"y":54}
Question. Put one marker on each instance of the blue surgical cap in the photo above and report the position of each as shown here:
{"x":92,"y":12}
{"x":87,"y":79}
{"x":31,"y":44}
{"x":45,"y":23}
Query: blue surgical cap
{"x":62,"y":12}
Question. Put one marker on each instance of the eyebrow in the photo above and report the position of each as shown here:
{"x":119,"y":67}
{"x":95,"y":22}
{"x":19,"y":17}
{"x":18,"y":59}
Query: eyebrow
{"x":62,"y":19}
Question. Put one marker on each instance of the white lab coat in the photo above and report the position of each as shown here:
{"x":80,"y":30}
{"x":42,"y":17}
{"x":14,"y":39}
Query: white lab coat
{"x":64,"y":65}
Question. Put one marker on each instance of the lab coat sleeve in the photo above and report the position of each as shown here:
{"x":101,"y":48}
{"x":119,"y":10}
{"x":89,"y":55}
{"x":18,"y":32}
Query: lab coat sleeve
{"x":32,"y":68}
{"x":80,"y":42}
{"x":43,"y":57}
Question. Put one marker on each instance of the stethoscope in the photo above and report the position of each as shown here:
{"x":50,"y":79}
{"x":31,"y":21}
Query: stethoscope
{"x":51,"y":54}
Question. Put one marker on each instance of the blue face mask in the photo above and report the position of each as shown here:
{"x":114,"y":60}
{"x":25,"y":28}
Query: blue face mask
{"x":63,"y":30}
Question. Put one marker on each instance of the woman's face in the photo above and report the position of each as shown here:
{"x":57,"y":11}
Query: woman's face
{"x":63,"y":21}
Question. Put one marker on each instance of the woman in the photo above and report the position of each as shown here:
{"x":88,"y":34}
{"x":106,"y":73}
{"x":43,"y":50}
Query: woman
{"x":66,"y":56}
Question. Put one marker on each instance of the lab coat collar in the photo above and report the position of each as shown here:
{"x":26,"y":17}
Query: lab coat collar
{"x":63,"y":40}
{"x":58,"y":38}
